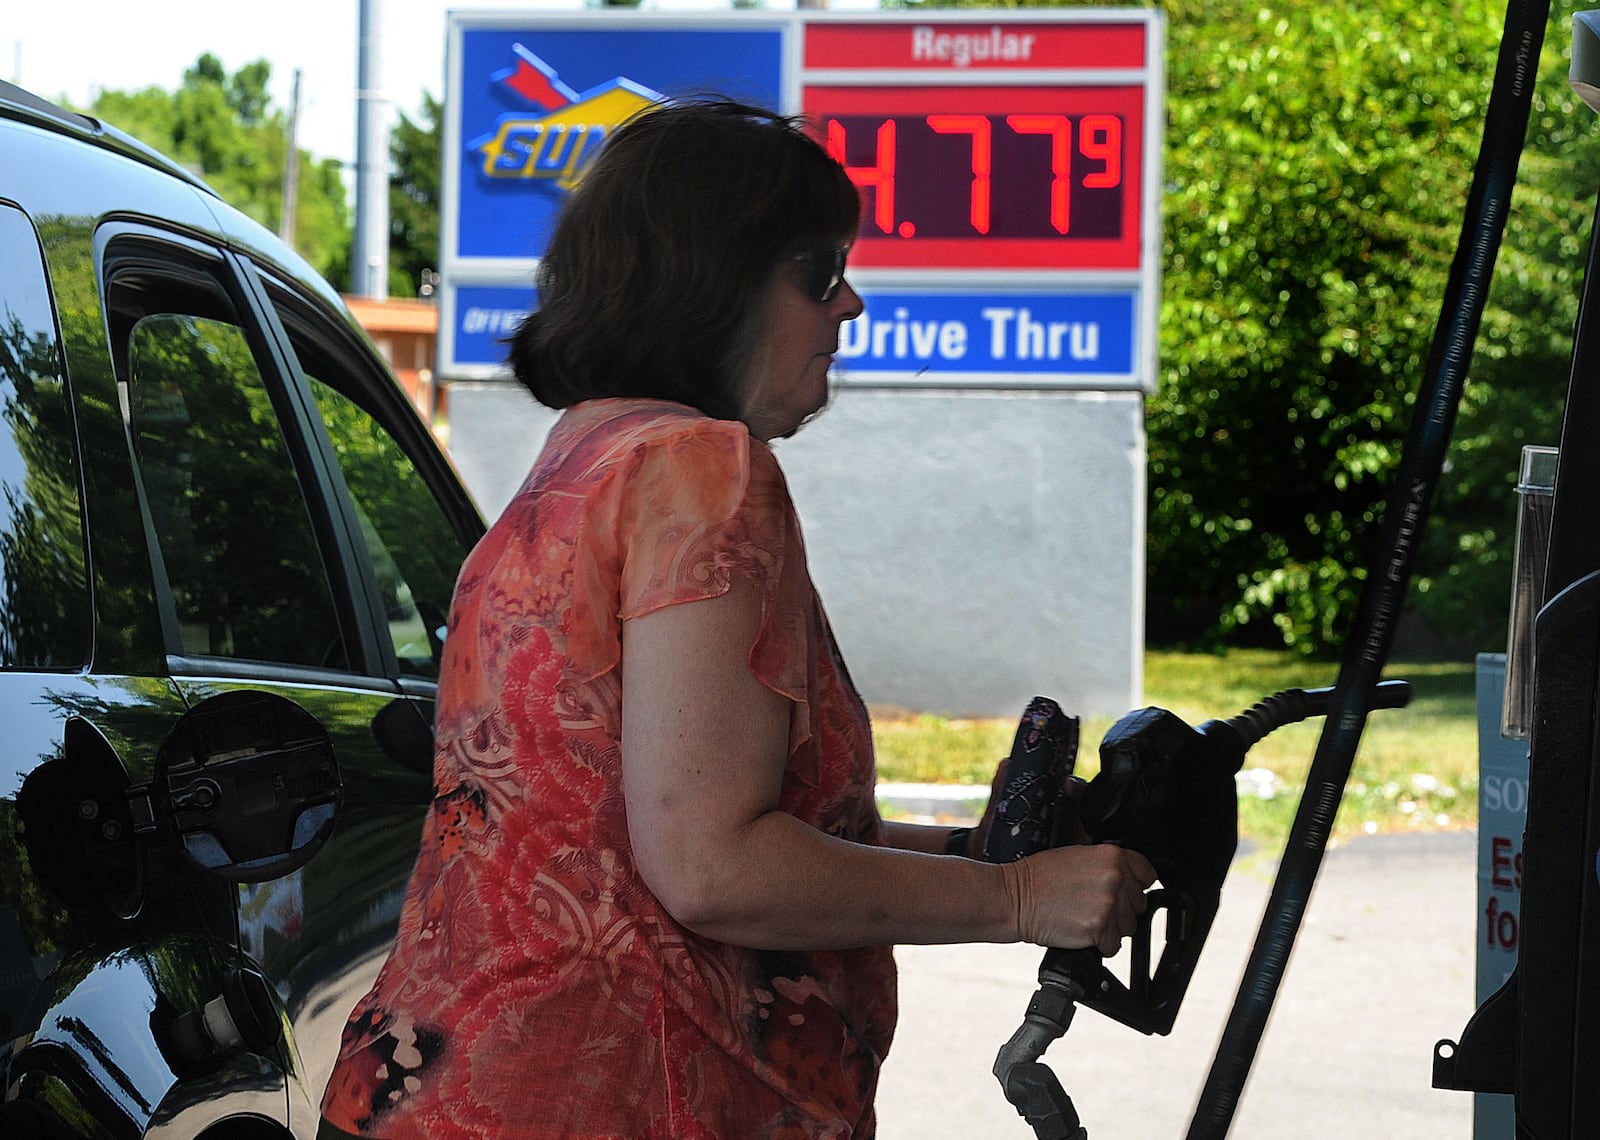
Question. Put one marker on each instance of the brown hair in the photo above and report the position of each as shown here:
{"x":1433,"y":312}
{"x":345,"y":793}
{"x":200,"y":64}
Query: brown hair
{"x":647,"y":282}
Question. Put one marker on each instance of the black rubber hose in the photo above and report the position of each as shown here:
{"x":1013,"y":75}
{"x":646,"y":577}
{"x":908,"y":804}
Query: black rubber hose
{"x":1409,"y":502}
{"x":1291,"y":706}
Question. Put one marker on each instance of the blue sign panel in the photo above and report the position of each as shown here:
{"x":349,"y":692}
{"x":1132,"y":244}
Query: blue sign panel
{"x":1041,"y":334}
{"x":1088,"y":334}
{"x":536,"y":103}
{"x":484,"y":316}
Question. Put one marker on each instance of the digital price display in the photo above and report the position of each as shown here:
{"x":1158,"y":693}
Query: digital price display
{"x":989,"y":177}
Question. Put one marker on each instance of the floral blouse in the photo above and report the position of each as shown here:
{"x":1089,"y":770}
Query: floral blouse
{"x":536,"y":987}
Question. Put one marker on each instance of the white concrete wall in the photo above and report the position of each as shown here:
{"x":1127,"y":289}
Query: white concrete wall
{"x":973,"y":548}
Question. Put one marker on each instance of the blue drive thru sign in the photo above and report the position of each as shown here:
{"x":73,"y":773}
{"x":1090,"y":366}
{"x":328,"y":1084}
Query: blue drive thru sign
{"x":974,"y":338}
{"x":1009,"y":166}
{"x":970,"y":337}
{"x":484,"y":316}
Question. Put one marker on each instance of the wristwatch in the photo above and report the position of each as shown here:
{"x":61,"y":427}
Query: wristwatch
{"x":956,"y":843}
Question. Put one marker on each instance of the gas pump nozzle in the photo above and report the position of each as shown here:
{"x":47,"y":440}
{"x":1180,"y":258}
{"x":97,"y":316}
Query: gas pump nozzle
{"x":1166,"y":790}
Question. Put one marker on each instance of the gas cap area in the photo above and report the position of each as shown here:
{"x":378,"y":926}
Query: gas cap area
{"x":248,"y":784}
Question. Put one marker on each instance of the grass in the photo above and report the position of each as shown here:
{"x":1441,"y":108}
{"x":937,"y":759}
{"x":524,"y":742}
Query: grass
{"x":1416,"y":768}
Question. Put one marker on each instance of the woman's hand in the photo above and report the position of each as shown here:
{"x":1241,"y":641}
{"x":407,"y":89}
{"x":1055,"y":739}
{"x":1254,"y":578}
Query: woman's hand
{"x":1080,"y":895}
{"x":1073,"y":897}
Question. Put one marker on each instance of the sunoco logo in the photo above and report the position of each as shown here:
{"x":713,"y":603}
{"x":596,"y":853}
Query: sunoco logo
{"x":556,"y":144}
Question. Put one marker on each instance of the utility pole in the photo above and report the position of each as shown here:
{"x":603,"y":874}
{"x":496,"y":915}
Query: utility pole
{"x":369,"y":263}
{"x":291,"y":167}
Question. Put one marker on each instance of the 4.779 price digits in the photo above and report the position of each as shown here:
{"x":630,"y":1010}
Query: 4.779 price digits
{"x":1024,"y":175}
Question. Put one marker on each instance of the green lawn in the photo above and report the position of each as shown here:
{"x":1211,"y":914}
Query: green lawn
{"x":1417,"y":768}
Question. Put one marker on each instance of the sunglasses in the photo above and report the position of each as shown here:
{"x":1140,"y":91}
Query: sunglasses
{"x":824,"y":271}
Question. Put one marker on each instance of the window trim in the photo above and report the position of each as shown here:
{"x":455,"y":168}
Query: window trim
{"x":197,"y":667}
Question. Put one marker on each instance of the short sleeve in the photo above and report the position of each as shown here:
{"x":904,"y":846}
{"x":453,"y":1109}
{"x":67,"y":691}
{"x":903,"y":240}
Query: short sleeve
{"x":681,"y":515}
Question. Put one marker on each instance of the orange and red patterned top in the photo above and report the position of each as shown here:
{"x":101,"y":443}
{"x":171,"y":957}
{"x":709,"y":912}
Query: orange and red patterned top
{"x":536,"y":988}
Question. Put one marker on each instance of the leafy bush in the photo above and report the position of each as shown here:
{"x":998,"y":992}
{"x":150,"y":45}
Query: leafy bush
{"x":1319,"y":159}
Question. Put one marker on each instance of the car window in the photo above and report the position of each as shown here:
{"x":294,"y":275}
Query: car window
{"x":414,"y":519}
{"x":246,"y":577}
{"x":44,"y":595}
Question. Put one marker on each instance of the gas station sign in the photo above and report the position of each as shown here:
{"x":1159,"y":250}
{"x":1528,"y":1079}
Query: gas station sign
{"x":1008,"y":169}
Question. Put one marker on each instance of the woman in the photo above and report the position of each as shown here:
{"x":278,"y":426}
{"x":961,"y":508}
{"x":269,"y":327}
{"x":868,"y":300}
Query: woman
{"x":654,"y":897}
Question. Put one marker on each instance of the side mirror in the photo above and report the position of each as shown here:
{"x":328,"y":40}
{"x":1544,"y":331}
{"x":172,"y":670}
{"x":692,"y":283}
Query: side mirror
{"x":248,"y":784}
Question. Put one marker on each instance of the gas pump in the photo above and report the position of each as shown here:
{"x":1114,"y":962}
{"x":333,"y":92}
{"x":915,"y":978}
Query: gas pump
{"x":1538,"y":1037}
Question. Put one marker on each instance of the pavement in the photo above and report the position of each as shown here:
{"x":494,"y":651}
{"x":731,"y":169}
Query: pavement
{"x":1382,"y":969}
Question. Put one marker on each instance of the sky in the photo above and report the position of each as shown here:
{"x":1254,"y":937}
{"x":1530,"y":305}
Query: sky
{"x":73,"y":48}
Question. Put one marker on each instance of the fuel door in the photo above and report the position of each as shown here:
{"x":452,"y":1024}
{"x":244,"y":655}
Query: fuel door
{"x":247,"y":783}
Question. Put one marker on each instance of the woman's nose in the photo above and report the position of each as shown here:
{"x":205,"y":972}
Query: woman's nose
{"x":848,"y":301}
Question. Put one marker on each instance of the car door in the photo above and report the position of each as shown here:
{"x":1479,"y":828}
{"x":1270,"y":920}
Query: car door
{"x":304,"y":535}
{"x":106,"y":939}
{"x":410,"y":526}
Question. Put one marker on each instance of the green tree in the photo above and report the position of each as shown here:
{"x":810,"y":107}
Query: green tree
{"x":414,"y":149}
{"x":1519,"y":371}
{"x":1319,"y":162}
{"x":225,"y":129}
{"x":1318,"y":159}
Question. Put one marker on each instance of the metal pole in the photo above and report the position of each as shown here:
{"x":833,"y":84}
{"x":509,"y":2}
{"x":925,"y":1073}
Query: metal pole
{"x":369,"y":261}
{"x":291,"y":167}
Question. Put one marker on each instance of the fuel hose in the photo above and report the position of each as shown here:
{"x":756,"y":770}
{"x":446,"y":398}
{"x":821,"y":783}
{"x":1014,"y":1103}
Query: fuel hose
{"x":1406,"y":513}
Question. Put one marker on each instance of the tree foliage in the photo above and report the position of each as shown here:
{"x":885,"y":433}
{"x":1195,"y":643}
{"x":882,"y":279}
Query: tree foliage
{"x":414,"y":150}
{"x":1319,"y":160}
{"x":226,"y":129}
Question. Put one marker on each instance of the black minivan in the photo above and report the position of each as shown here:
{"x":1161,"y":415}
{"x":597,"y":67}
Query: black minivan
{"x":227,"y":546}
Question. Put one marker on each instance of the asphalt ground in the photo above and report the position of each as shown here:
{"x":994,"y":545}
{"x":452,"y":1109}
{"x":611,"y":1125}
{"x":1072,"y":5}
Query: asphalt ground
{"x":1382,"y":969}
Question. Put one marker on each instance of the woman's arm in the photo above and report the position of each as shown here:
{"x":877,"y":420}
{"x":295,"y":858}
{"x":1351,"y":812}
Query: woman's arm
{"x":935,"y":839}
{"x":704,"y":746}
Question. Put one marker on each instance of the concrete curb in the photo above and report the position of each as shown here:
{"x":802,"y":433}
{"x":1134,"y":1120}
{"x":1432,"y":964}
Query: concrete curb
{"x":955,"y":804}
